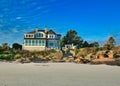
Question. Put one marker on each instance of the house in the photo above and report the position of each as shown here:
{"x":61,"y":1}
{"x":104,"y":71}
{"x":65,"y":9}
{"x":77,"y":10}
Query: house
{"x":70,"y":46}
{"x":41,"y":40}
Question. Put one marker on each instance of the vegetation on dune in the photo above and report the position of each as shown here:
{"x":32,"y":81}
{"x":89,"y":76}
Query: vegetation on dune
{"x":16,"y":54}
{"x":91,"y":52}
{"x":85,"y":52}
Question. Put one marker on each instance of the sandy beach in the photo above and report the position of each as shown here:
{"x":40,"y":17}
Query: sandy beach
{"x":58,"y":74}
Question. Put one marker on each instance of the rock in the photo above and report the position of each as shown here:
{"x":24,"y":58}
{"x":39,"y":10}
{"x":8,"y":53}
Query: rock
{"x":77,"y":60}
{"x":23,"y":60}
{"x":117,"y":56}
{"x":101,"y":56}
{"x":18,"y":60}
{"x":67,"y":60}
{"x":27,"y":60}
{"x":110,"y":55}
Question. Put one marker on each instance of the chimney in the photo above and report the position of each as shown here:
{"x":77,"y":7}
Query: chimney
{"x":36,"y":30}
{"x":45,"y":29}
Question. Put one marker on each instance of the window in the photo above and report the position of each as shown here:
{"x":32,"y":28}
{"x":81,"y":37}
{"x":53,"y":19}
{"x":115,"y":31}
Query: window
{"x":26,"y":36}
{"x":35,"y":42}
{"x":39,"y":43}
{"x":29,"y":36}
{"x":51,"y":44}
{"x":51,"y":36}
{"x":32,"y":42}
{"x":43,"y":42}
{"x":38,"y":35}
{"x":28,"y":42}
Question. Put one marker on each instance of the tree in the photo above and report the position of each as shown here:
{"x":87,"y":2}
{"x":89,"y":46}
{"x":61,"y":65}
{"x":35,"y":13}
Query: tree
{"x":16,"y":46}
{"x":71,"y":38}
{"x":110,"y":44}
{"x":5,"y":46}
{"x":106,"y":46}
{"x":94,"y":44}
{"x":111,"y":41}
{"x":0,"y":47}
{"x":85,"y":44}
{"x":63,"y":41}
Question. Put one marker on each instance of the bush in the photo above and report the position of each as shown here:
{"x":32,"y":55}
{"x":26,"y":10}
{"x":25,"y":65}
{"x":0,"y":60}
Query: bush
{"x":17,"y":56}
{"x":1,"y":56}
{"x":6,"y":56}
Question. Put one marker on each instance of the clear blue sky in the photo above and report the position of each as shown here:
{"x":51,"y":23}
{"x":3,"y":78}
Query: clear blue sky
{"x":92,"y":19}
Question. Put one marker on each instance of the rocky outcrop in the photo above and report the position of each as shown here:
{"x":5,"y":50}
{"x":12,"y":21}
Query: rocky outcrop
{"x":23,"y":60}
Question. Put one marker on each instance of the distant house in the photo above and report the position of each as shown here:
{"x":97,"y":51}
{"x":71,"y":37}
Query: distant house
{"x":70,"y":46}
{"x":41,"y":40}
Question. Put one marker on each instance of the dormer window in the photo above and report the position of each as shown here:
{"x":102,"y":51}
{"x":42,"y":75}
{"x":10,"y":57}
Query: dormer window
{"x":39,"y":35}
{"x":29,"y":36}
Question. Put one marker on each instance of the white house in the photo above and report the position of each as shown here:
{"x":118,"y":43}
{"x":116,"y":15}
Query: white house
{"x":70,"y":46}
{"x":41,"y":40}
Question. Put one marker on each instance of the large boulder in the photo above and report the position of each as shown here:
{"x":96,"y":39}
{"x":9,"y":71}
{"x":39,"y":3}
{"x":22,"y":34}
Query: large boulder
{"x":23,"y":60}
{"x":77,"y":60}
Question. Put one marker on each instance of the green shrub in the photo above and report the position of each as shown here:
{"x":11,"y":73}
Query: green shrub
{"x":1,"y":56}
{"x":17,"y":56}
{"x":6,"y":56}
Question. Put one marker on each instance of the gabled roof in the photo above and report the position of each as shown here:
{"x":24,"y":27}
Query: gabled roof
{"x":33,"y":32}
{"x":51,"y":32}
{"x":41,"y":31}
{"x":58,"y":34}
{"x":48,"y":32}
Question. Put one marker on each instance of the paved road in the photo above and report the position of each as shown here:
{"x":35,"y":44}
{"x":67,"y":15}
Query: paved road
{"x":58,"y":74}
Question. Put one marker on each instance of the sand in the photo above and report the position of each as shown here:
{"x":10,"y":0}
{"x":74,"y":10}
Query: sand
{"x":58,"y":74}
